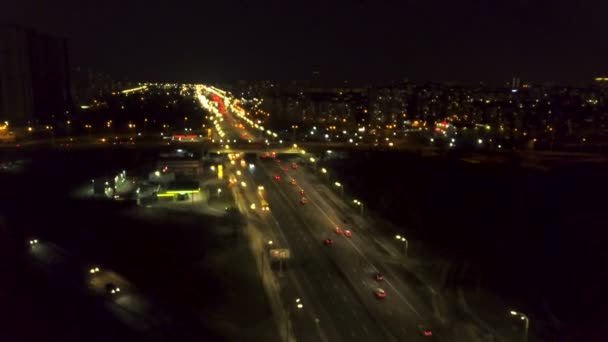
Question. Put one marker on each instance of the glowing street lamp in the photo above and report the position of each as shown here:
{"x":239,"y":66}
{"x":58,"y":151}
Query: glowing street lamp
{"x":404,"y":240}
{"x":314,"y":163}
{"x":359,"y":203}
{"x":298,"y":306}
{"x":525,"y":319}
{"x":339,"y":185}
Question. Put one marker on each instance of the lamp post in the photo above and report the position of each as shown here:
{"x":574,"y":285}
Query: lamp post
{"x":294,"y":128}
{"x":314,"y":163}
{"x":89,"y":127}
{"x":404,"y":240}
{"x":299,"y":306}
{"x":325,"y":173}
{"x":339,"y":185}
{"x":360,"y":204}
{"x":524,"y":318}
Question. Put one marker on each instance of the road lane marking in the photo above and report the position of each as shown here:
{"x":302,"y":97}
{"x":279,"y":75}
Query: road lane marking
{"x":368,"y":261}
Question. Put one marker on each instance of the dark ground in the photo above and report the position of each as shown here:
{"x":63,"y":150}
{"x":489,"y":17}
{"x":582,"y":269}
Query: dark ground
{"x":536,"y":238}
{"x":187,"y":264}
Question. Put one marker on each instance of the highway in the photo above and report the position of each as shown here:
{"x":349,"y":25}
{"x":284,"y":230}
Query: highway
{"x":395,"y":314}
{"x":337,"y":282}
{"x":310,"y":274}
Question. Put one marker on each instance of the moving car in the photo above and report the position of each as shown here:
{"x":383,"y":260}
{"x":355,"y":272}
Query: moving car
{"x":264,"y":205}
{"x":304,"y":201}
{"x":380,"y":293}
{"x":328,"y":242}
{"x":285,"y":169}
{"x":425,"y":330}
{"x":277,"y":177}
{"x":378,"y":277}
{"x":348,"y":233}
{"x":302,"y":193}
{"x":294,"y":166}
{"x":293,"y":182}
{"x":338,"y":231}
{"x":112,"y":289}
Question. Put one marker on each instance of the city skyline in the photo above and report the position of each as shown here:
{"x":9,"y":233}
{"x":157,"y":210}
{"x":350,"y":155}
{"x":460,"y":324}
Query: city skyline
{"x":303,"y":171}
{"x":202,"y":42}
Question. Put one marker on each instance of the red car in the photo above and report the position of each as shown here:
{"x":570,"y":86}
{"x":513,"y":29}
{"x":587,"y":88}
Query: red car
{"x":338,"y":231}
{"x":424,"y":330}
{"x":328,"y":242}
{"x":380,"y":293}
{"x":277,"y":178}
{"x":285,"y":169}
{"x":348,"y":233}
{"x":378,"y":277}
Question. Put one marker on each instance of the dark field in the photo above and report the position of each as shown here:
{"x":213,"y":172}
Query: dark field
{"x":188,"y":264}
{"x":537,"y":238}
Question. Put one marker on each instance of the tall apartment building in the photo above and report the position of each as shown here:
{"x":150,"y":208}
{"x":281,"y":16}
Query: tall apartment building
{"x":34,"y":76}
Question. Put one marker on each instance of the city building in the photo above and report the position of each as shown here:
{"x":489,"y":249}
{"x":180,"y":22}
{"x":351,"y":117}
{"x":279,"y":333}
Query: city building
{"x":34,"y":76}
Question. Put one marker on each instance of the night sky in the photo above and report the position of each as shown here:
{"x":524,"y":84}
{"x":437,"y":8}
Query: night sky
{"x":423,"y":40}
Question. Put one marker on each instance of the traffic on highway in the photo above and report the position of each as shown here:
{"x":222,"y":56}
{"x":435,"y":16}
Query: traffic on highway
{"x":346,"y":273}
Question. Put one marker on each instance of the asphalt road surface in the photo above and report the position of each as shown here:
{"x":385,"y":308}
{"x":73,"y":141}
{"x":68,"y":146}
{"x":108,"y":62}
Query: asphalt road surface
{"x":336,"y":282}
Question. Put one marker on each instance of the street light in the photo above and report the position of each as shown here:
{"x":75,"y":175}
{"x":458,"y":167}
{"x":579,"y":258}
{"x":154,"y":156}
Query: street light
{"x":294,"y":128}
{"x":523,"y":318}
{"x":404,"y":240}
{"x":323,"y":170}
{"x":359,"y":203}
{"x":219,"y":191}
{"x":314,"y":163}
{"x":341,"y":188}
{"x":299,"y":306}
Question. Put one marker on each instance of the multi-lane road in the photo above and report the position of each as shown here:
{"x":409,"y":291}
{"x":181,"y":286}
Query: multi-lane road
{"x":335,"y":282}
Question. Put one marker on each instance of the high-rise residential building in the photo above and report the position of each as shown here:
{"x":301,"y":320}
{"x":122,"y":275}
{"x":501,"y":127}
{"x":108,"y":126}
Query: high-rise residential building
{"x":34,"y":76}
